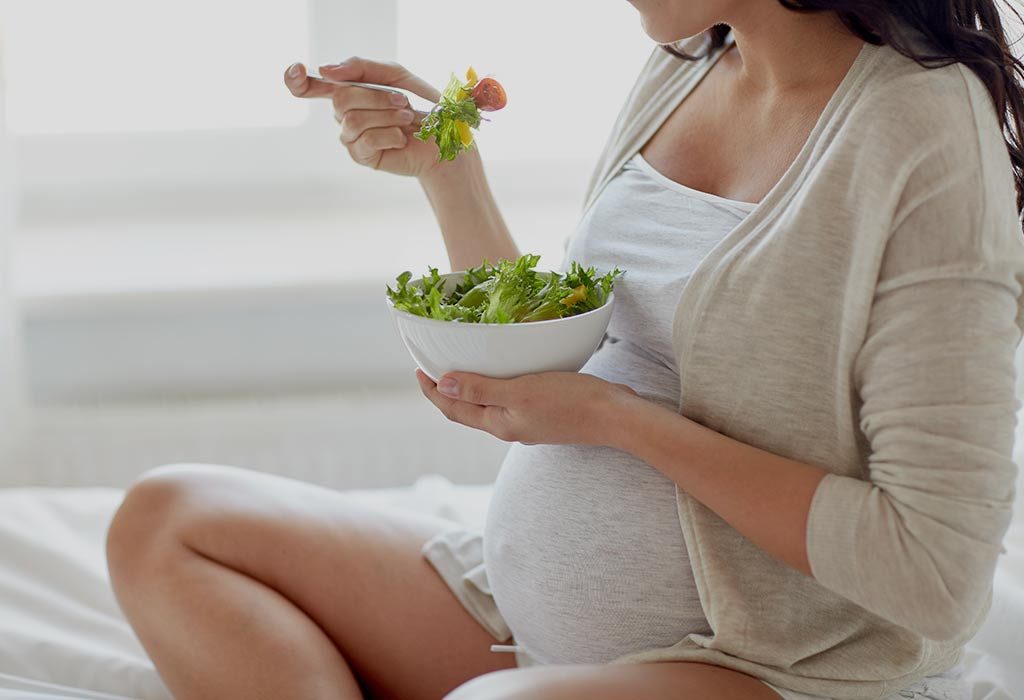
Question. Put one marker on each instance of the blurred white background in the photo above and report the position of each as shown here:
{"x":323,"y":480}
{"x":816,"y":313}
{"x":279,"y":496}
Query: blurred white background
{"x":199,"y":269}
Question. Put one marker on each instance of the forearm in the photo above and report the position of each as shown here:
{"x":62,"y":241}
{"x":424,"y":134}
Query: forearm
{"x":767,"y":498}
{"x":470,"y":221}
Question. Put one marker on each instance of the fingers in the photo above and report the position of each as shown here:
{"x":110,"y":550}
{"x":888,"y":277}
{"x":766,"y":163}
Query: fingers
{"x":369,"y":147}
{"x":373,"y":120}
{"x":380,"y":73}
{"x":356,"y":122}
{"x":453,"y":409}
{"x":477,"y":389}
{"x":349,"y":98}
{"x":359,"y":111}
{"x":490,"y":419}
{"x":301,"y":85}
{"x":416,"y":123}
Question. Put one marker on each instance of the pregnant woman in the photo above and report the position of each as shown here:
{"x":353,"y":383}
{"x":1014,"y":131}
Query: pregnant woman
{"x":786,"y":472}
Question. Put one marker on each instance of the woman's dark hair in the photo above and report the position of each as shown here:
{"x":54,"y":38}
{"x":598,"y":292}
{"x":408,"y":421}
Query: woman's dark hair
{"x":970,"y":32}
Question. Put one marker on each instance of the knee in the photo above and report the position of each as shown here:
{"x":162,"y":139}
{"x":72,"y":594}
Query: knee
{"x":151,"y":518}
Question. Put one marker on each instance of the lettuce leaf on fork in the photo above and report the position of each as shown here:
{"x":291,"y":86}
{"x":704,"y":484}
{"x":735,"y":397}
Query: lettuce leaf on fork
{"x":457,"y":107}
{"x":511,"y":291}
{"x":452,"y":120}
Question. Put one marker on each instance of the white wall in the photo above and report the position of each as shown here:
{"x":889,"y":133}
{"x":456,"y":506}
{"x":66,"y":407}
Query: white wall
{"x":10,"y":394}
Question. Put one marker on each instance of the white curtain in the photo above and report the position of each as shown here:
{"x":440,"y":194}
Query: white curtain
{"x":11,"y":403}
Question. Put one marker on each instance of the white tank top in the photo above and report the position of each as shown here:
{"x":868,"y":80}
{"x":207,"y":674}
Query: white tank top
{"x":582,"y":547}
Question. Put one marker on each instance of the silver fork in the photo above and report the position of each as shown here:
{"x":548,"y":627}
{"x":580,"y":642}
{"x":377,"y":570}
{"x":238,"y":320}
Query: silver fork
{"x":380,"y":88}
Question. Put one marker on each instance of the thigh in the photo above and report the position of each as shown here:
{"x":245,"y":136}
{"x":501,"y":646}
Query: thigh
{"x":355,"y":570}
{"x":655,"y":681}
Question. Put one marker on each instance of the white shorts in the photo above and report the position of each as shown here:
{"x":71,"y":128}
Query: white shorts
{"x":458,"y":557}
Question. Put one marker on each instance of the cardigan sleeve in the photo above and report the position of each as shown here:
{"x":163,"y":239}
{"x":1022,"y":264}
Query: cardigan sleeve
{"x":916,"y":540}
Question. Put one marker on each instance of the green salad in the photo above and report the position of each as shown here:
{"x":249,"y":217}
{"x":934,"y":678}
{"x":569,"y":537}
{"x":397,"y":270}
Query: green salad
{"x":510,"y":291}
{"x":452,"y":120}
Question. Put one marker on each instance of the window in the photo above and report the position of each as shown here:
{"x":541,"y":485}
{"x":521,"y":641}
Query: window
{"x":159,"y":150}
{"x":570,"y":63}
{"x":127,"y":66}
{"x":134,"y":96}
{"x":115,"y":96}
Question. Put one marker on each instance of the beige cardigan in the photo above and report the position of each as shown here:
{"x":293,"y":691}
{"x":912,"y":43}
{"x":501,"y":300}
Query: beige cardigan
{"x":863,"y":318}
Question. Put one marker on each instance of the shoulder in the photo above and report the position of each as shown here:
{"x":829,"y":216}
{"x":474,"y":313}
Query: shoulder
{"x":938,"y":159}
{"x":931,"y":131}
{"x":915,"y":113}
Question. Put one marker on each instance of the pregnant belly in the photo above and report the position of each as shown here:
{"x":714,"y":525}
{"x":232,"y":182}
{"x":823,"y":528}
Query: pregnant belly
{"x":583,"y":548}
{"x":585,"y":556}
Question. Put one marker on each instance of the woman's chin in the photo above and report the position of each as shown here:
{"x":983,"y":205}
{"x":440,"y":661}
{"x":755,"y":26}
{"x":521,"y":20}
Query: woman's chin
{"x":665,"y":38}
{"x":661,"y":33}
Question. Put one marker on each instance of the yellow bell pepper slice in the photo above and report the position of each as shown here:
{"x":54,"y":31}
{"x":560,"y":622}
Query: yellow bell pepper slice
{"x":471,"y":81}
{"x":578,"y":294}
{"x":465,"y":135}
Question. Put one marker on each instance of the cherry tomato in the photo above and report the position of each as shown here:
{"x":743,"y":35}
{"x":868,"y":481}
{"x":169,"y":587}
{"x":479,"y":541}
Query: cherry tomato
{"x":489,"y":95}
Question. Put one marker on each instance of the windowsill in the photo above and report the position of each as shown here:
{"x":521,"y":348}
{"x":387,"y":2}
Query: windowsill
{"x":105,"y":248}
{"x":222,"y":306}
{"x":127,"y":262}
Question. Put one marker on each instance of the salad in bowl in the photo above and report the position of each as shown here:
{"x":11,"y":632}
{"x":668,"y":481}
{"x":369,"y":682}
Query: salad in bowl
{"x":504,"y":319}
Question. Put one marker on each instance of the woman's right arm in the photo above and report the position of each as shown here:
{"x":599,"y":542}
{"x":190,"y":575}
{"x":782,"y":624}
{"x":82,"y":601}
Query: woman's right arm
{"x":378,"y":133}
{"x":467,"y":213}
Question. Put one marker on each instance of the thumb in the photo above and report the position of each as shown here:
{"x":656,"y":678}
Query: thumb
{"x":474,"y":388}
{"x":380,"y":73}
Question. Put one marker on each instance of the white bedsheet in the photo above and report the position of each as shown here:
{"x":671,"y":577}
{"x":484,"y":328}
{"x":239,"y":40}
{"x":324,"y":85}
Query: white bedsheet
{"x":62,"y":636}
{"x":61,"y":632}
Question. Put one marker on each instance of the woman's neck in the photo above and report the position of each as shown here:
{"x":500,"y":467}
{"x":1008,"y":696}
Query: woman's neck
{"x":778,"y":50}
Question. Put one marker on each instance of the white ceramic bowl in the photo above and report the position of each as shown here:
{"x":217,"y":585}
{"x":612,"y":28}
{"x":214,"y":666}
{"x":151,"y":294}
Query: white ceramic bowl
{"x":501,"y":350}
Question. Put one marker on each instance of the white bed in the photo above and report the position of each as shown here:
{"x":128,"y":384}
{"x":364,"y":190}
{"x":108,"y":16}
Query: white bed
{"x":62,"y":636}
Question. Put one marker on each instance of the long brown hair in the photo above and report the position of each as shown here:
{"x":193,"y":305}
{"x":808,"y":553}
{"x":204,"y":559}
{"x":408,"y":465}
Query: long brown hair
{"x":970,"y":32}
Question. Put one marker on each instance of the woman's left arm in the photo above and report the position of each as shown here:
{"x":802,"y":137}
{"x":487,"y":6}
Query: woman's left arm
{"x":917,"y":539}
{"x":915,"y":542}
{"x":765,"y":497}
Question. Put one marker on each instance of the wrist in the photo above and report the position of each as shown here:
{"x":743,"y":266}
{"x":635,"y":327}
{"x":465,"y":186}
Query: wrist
{"x":448,"y":174}
{"x":617,"y":418}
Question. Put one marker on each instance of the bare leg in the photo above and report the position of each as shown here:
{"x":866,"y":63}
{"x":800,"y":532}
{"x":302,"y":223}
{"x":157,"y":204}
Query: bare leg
{"x":243,"y":585}
{"x":660,"y":681}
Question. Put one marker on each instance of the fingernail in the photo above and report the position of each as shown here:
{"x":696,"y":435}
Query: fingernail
{"x":449,"y":387}
{"x":398,"y":100}
{"x":406,"y":116}
{"x":294,"y":70}
{"x":331,"y":66}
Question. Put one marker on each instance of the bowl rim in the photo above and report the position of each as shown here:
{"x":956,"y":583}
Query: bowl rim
{"x":434,"y":321}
